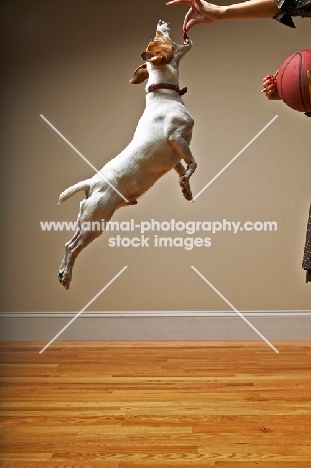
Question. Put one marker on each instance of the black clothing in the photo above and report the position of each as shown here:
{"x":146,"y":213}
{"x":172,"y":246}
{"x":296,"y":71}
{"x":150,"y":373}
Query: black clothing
{"x":291,"y":8}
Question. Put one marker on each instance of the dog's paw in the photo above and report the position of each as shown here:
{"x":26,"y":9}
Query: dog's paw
{"x":185,"y":188}
{"x":187,"y":194}
{"x":64,"y":278}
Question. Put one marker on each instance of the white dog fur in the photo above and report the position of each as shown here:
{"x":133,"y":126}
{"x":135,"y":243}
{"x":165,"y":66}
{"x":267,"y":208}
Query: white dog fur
{"x":160,"y":142}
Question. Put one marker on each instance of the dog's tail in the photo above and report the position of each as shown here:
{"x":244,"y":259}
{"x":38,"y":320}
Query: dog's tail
{"x":83,"y":185}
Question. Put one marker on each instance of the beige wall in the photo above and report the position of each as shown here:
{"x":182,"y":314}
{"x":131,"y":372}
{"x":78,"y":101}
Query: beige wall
{"x":71,"y":60}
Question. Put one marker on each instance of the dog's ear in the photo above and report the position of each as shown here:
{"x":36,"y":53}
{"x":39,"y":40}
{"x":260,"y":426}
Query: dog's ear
{"x":140,"y":74}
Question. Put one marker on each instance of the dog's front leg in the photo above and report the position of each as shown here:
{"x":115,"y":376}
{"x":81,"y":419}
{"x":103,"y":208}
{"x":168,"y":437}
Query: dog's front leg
{"x":182,"y":147}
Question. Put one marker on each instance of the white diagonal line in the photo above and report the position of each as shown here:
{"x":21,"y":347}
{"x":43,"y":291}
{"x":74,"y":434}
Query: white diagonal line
{"x":84,"y":158}
{"x":235,"y":157}
{"x":237,"y":311}
{"x":84,"y":308}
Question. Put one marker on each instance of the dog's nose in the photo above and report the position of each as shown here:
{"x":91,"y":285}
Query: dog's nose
{"x":161,"y":22}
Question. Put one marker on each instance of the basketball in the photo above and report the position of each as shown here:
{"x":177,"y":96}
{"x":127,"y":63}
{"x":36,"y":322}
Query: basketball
{"x":294,"y":81}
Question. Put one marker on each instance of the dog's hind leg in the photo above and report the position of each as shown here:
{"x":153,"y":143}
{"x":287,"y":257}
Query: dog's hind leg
{"x":94,"y":213}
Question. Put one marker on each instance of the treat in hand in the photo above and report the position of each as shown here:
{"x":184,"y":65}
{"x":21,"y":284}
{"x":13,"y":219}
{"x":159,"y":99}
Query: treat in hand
{"x":185,"y":35}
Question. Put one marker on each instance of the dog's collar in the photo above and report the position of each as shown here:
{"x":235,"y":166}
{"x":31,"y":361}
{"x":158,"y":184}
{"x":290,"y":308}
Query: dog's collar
{"x":154,"y":87}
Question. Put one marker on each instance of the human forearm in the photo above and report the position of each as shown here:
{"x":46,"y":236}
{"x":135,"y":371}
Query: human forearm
{"x":250,"y":9}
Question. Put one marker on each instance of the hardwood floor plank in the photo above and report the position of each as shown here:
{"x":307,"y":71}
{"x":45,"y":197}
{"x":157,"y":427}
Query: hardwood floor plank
{"x":16,"y":463}
{"x":135,"y":405}
{"x":261,"y":463}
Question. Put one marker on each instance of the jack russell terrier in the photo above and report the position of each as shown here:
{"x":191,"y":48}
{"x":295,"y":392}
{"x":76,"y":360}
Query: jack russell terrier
{"x":160,"y":142}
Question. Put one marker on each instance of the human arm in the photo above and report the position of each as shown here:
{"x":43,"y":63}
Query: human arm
{"x":204,"y":12}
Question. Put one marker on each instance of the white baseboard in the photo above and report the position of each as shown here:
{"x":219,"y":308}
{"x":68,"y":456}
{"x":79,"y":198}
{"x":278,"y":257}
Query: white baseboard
{"x":161,"y":313}
{"x":157,"y":325}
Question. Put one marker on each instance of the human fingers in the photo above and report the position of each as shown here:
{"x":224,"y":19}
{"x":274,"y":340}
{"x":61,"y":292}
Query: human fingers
{"x":179,"y":2}
{"x":268,"y":81}
{"x":187,"y":19}
{"x":271,"y":91}
{"x":192,"y":22}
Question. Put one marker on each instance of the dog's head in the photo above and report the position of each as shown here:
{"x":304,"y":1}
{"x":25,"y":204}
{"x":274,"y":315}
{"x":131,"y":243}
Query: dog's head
{"x":161,"y":50}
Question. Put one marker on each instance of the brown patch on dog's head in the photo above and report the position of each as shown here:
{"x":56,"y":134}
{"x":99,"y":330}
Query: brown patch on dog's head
{"x":160,"y":50}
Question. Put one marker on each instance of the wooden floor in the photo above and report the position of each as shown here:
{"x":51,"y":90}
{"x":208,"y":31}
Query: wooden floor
{"x":164,"y":404}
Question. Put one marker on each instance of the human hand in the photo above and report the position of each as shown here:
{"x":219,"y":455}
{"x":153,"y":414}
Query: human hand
{"x":199,"y":12}
{"x":269,"y":87}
